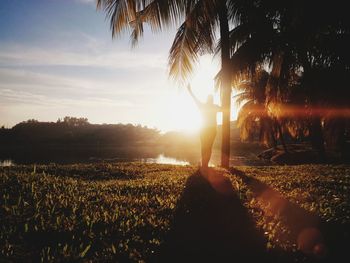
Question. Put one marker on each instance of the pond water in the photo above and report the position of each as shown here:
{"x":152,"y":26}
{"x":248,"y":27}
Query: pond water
{"x":6,"y":163}
{"x":161,"y":159}
{"x":146,"y":155}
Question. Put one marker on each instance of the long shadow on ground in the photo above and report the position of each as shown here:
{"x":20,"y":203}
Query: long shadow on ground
{"x":321,"y":241}
{"x":211,"y":225}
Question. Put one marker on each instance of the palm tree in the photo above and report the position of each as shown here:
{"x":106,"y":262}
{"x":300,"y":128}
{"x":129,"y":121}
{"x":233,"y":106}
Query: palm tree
{"x":292,"y":36}
{"x":201,"y":19}
{"x":289,"y":36}
{"x":253,"y":115}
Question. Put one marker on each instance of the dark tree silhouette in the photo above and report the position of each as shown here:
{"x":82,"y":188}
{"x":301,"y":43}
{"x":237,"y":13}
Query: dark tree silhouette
{"x":304,"y":38}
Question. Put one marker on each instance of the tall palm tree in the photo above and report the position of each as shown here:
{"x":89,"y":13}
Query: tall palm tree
{"x":253,"y":117}
{"x":294,"y":36}
{"x":200,"y":20}
{"x":288,"y":36}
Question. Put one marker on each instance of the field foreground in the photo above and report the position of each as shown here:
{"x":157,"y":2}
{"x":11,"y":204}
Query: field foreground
{"x":159,"y":213}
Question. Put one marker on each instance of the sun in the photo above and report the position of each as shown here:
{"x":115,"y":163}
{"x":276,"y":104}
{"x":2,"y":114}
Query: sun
{"x":184,"y":113}
{"x":179,"y":108}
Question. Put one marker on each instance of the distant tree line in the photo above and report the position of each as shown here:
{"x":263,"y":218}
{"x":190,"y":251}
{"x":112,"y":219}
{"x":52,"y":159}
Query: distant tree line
{"x":72,"y":131}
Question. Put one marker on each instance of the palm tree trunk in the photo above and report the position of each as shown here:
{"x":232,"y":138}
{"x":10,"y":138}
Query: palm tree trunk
{"x":280,"y":134}
{"x":272,"y":139}
{"x":317,"y":141}
{"x":226,"y":85}
{"x":341,"y":138}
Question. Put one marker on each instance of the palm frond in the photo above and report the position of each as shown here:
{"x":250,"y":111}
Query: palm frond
{"x":183,"y":52}
{"x":273,"y":82}
{"x":242,"y":97}
{"x":129,"y":15}
{"x":194,"y":37}
{"x":160,"y":13}
{"x":120,"y":13}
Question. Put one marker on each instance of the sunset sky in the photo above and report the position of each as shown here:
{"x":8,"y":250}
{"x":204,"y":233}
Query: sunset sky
{"x":57,"y":58}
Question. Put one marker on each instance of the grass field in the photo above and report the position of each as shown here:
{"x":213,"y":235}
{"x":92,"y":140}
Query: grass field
{"x":148,"y":212}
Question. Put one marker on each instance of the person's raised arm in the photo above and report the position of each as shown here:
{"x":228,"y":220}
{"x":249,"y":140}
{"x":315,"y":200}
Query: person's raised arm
{"x":199,"y":104}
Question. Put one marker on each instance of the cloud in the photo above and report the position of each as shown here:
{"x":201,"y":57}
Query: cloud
{"x":71,"y":66}
{"x":86,"y":1}
{"x":95,"y":68}
{"x":25,"y":95}
{"x":10,"y":96}
{"x":51,"y":85}
{"x":19,"y":56}
{"x":84,"y":76}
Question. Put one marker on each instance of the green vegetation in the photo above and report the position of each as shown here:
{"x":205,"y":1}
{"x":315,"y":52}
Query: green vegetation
{"x":87,"y":211}
{"x":323,"y":189}
{"x":306,"y":196}
{"x":124,"y":211}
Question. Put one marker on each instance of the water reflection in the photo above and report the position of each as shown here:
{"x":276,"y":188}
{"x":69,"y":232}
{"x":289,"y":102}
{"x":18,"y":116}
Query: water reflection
{"x":161,"y":159}
{"x":80,"y":156}
{"x":6,"y":163}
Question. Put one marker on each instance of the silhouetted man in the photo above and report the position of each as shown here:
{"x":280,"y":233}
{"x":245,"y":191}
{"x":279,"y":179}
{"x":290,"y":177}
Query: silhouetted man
{"x":208,"y":132}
